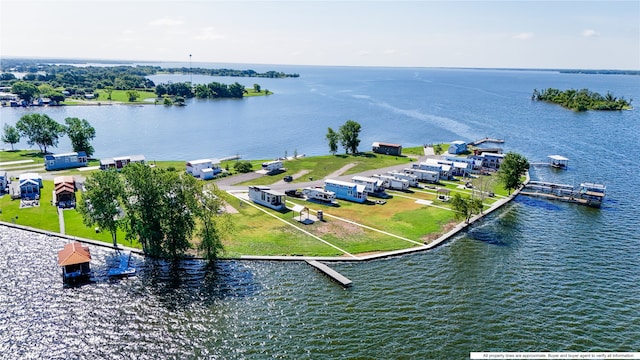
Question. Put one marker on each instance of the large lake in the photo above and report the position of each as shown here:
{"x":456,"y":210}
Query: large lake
{"x":534,"y":276}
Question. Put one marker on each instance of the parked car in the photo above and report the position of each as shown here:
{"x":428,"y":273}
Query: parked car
{"x":288,"y":178}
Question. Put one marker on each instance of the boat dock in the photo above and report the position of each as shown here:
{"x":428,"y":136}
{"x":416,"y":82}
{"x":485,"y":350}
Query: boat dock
{"x":486,"y":140}
{"x":589,"y":194}
{"x":330,"y":272}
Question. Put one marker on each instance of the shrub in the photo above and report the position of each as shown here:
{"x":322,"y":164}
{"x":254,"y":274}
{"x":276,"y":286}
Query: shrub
{"x":243,"y":166}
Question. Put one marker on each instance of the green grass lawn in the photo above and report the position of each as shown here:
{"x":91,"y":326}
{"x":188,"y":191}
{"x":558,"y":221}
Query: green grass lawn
{"x":121,"y":96}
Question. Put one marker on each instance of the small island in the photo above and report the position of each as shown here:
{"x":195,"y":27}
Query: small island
{"x":581,"y":100}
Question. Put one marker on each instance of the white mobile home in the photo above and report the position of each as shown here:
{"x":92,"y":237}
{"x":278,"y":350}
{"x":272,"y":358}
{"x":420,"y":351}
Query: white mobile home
{"x":371,"y":185}
{"x":263,"y":195}
{"x":393,"y":183}
{"x":412,"y":179}
{"x":424,"y":175}
{"x":319,"y":194}
{"x":203,"y":168}
{"x":273,"y":166}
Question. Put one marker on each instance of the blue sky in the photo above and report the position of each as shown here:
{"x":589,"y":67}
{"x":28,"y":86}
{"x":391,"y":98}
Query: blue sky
{"x":509,"y":34}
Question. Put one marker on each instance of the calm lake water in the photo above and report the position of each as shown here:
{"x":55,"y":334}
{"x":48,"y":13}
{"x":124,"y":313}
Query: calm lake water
{"x":534,"y":276}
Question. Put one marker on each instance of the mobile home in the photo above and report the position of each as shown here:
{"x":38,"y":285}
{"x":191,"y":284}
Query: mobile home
{"x":424,"y":175}
{"x":393,"y":183}
{"x":411,"y":179}
{"x":119,"y":162}
{"x":319,"y":194}
{"x":263,"y":195}
{"x":65,"y":161}
{"x":272,"y":166}
{"x":203,"y":168}
{"x":64,"y":191}
{"x":346,"y":190}
{"x":371,"y":184}
{"x":30,"y":185}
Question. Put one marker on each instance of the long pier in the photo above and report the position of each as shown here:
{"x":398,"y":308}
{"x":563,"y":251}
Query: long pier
{"x":586,"y":194}
{"x":330,"y":272}
{"x":486,"y":139}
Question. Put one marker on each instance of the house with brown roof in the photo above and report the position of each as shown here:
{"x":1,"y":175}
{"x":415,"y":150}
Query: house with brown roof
{"x":64,"y":191}
{"x":74,"y":260}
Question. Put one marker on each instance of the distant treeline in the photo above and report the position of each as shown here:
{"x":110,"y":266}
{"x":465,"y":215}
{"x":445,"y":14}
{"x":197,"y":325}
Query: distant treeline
{"x":601,"y":72}
{"x":581,"y":100}
{"x":89,"y":78}
{"x":212,"y":90}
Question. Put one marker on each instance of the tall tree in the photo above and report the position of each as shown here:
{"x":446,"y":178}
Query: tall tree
{"x":11,"y":135}
{"x":178,"y":204}
{"x":333,"y":138}
{"x":41,"y":130}
{"x":512,"y":168}
{"x":143,"y":206}
{"x":103,"y":194}
{"x":25,"y":90}
{"x":465,"y":207}
{"x":214,"y":222}
{"x":349,"y":136}
{"x":80,"y":132}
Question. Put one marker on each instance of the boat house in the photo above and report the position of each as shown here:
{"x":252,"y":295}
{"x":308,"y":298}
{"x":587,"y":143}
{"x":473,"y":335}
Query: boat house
{"x":65,"y":161}
{"x":64,"y":191}
{"x":74,"y":260}
{"x":119,"y":162}
{"x":30,"y":185}
{"x":558,"y":162}
{"x":263,"y":195}
{"x":387,"y":148}
{"x":204,"y":169}
{"x":346,"y":190}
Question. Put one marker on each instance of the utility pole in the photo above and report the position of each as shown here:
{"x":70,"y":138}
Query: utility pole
{"x":190,"y":71}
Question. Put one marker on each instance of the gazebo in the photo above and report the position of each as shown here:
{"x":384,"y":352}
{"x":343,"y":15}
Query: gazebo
{"x":74,"y":259}
{"x":443,"y":194}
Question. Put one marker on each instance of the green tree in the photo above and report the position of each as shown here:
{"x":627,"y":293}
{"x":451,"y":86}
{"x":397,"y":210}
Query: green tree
{"x":215,"y":222}
{"x":243,"y":166}
{"x":179,"y":204}
{"x":236,"y":90}
{"x":333,"y":138}
{"x":25,"y":90}
{"x":512,"y":168}
{"x":132,"y":95}
{"x":41,"y":130}
{"x":11,"y":135}
{"x":349,"y":136}
{"x":101,"y":205}
{"x":143,"y":205}
{"x":108,"y":89}
{"x":80,"y":132}
{"x":465,"y":207}
{"x":256,"y":88}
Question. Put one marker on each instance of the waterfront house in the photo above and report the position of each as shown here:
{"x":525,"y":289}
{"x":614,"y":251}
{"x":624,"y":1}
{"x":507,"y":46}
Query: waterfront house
{"x":64,"y":191}
{"x":65,"y":161}
{"x":263,"y":195}
{"x":431,"y":164}
{"x":457,"y":147}
{"x":119,"y":162}
{"x":30,"y":185}
{"x":490,"y":160}
{"x":346,"y":190}
{"x":272,"y":166}
{"x":387,"y":148}
{"x":203,"y":168}
{"x":74,"y":260}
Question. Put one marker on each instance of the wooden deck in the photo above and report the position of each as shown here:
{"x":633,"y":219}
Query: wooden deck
{"x":330,"y":272}
{"x":487,"y":139}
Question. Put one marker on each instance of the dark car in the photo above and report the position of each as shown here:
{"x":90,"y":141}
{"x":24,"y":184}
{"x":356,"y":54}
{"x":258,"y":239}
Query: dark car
{"x":288,"y":178}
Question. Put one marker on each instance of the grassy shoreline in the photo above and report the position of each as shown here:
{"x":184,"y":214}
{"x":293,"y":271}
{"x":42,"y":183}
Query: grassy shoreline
{"x":407,"y":220}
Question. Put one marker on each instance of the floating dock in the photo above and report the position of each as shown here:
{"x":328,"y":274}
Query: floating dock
{"x":330,"y":273}
{"x":589,"y":194}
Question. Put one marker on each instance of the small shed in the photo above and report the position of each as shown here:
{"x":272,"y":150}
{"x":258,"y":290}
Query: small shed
{"x":74,"y":260}
{"x":387,"y":148}
{"x":64,"y":191}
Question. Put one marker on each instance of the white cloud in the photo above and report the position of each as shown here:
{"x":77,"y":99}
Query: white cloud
{"x":391,"y":51}
{"x":208,"y":33}
{"x":165,"y":21}
{"x":523,"y":36}
{"x":590,"y":33}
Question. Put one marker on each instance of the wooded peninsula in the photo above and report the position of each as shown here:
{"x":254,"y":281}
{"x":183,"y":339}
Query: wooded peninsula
{"x":581,"y":100}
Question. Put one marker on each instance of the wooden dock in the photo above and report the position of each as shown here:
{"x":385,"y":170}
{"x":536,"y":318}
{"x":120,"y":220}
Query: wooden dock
{"x":586,"y":194}
{"x":486,"y":140}
{"x":330,"y":272}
